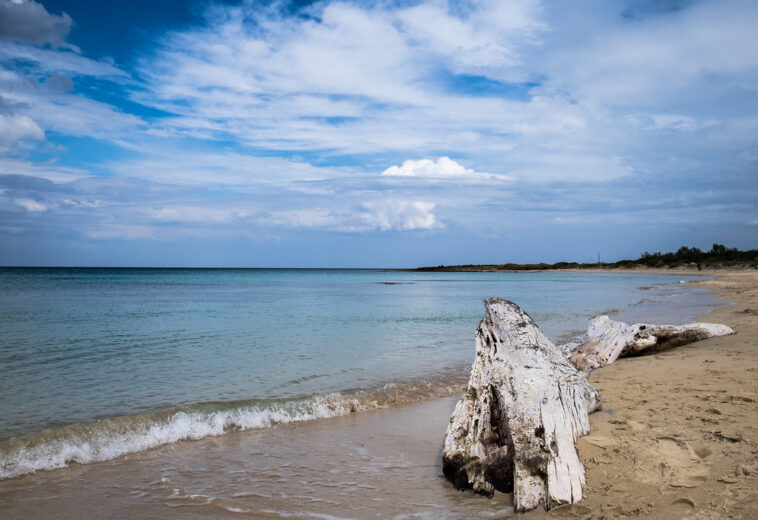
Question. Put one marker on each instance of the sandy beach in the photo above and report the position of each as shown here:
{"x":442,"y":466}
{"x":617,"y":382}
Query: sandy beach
{"x":676,"y":438}
{"x":678,"y":433}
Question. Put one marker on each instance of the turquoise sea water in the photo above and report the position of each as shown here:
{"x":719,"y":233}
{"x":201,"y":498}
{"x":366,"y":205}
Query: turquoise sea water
{"x":95,"y":363}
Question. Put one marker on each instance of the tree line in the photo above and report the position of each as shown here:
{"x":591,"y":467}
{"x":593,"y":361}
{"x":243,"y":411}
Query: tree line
{"x":718,"y":256}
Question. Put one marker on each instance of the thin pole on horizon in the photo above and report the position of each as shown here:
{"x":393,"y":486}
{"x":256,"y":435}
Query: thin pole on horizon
{"x":598,"y":257}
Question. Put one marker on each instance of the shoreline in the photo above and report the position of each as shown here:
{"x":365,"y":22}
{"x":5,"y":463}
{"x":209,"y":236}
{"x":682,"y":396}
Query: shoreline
{"x":104,"y":436}
{"x":691,"y":271}
{"x":390,"y":459}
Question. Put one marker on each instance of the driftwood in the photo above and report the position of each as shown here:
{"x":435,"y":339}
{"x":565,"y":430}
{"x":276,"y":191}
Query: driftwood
{"x":516,"y":426}
{"x":607,"y":340}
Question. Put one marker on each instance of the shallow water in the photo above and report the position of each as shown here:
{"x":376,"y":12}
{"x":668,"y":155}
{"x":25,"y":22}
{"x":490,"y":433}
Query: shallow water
{"x":383,"y":464}
{"x":98,"y":363}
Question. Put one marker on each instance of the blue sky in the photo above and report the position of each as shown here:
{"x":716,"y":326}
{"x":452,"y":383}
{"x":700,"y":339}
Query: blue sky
{"x":374,"y":134}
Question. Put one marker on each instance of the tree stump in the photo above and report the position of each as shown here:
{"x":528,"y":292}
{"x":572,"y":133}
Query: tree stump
{"x":515,"y":428}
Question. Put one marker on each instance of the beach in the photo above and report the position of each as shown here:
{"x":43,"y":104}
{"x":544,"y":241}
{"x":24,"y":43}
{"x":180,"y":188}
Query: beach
{"x":678,"y":433}
{"x":337,"y":259}
{"x":676,"y":438}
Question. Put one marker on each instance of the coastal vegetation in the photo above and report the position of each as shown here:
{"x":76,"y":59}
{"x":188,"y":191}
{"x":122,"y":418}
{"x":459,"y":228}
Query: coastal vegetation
{"x":719,"y":256}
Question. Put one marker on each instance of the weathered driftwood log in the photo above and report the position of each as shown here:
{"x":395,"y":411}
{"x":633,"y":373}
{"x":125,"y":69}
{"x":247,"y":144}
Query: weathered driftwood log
{"x":516,"y":426}
{"x":607,"y":340}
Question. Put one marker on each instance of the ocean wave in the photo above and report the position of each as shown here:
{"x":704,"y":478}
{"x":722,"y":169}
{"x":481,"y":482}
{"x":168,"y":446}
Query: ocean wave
{"x":111,"y":438}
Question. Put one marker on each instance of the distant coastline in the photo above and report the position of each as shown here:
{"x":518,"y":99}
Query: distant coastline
{"x":719,"y":257}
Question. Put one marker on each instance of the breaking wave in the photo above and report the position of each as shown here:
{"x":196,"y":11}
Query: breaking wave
{"x":113,"y":437}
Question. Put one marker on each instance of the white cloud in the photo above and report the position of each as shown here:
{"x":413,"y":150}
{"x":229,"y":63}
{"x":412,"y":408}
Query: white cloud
{"x":556,"y":166}
{"x":399,"y":214}
{"x":199,"y":214}
{"x":684,"y":123}
{"x":32,"y":206}
{"x":16,"y":129}
{"x":350,"y":80}
{"x":381,"y":215}
{"x":485,"y":41}
{"x":46,"y":61}
{"x":442,"y":167}
{"x":662,"y":122}
{"x":312,"y":218}
{"x":278,"y":82}
{"x":643,"y":62}
{"x":111,"y":230}
{"x":84,"y":203}
{"x":68,"y":113}
{"x":30,"y":21}
{"x":49,"y":171}
{"x":178,"y":167}
{"x":674,"y":122}
{"x":38,"y":95}
{"x":244,"y":218}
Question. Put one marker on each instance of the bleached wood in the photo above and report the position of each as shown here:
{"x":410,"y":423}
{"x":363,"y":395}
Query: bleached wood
{"x":515,"y":428}
{"x":607,"y":340}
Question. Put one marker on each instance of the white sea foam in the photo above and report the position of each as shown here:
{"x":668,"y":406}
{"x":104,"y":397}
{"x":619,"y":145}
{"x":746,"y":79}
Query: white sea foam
{"x":111,"y":438}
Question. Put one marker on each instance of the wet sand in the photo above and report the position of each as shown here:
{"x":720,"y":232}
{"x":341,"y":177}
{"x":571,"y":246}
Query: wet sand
{"x":382,"y":464}
{"x":677,"y":438}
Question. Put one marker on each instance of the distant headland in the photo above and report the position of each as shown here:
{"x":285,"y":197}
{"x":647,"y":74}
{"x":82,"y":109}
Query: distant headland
{"x":719,"y":257}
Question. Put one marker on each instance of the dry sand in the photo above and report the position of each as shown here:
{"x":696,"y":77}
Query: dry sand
{"x":678,"y":433}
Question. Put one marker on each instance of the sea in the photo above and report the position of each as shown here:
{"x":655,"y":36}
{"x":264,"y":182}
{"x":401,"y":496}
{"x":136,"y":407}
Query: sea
{"x":99,"y":363}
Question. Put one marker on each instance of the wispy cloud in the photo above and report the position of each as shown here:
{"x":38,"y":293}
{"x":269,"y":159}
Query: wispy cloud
{"x":36,"y":87}
{"x":174,"y":166}
{"x":18,"y":129}
{"x":660,"y":59}
{"x":378,"y":215}
{"x":31,"y":205}
{"x":48,"y":171}
{"x":349,"y":79}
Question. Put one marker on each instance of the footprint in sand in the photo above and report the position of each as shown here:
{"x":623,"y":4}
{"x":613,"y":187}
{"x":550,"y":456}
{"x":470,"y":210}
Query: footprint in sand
{"x":702,"y":450}
{"x":672,"y":462}
{"x":681,"y":508}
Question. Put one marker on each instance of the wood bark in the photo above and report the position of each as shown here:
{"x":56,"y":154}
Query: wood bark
{"x":607,"y":340}
{"x":515,"y":428}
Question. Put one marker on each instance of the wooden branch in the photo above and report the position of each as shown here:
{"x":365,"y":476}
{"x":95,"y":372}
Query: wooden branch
{"x":607,"y":340}
{"x":516,"y":426}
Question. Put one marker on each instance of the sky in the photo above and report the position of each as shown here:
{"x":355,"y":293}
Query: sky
{"x":374,"y":134}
